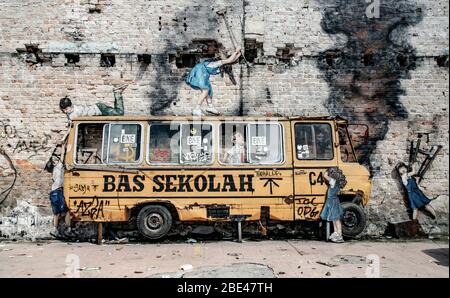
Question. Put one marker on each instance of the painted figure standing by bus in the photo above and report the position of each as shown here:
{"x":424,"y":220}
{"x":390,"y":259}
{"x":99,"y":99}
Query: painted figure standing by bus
{"x":198,"y":79}
{"x":56,"y":196}
{"x":332,"y":210}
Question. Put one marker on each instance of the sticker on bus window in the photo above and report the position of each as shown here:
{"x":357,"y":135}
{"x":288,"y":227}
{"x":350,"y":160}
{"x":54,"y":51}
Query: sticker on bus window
{"x":302,"y":151}
{"x":127,"y":139}
{"x":258,"y":141}
{"x":194,"y":140}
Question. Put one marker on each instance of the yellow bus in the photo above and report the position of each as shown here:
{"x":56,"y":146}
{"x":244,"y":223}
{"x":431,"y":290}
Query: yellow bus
{"x":162,"y":170}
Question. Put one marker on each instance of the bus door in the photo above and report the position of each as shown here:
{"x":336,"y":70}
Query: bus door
{"x":314,"y":153}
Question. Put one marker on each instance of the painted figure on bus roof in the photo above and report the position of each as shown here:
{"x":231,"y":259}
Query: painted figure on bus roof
{"x":99,"y":109}
{"x":198,"y":78}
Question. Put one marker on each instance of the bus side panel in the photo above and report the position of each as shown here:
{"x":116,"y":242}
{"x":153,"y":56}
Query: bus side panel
{"x":109,"y":196}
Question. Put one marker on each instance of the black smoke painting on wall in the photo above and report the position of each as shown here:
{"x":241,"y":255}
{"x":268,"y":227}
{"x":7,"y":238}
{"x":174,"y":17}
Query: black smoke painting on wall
{"x":364,"y":75}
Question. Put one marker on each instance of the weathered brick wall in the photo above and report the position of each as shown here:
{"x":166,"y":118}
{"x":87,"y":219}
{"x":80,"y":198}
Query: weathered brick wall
{"x":307,"y":57}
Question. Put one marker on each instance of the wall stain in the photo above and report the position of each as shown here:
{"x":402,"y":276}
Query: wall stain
{"x":364,"y":76}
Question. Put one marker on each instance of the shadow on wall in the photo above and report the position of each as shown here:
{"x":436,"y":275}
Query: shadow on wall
{"x":166,"y":85}
{"x":364,"y":76}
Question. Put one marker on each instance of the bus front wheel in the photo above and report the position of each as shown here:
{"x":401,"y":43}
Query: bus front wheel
{"x":353,"y":219}
{"x":154,"y":221}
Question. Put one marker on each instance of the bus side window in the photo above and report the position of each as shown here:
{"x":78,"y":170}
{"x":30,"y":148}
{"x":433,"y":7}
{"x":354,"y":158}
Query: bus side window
{"x":265,"y":143}
{"x":233,"y":138}
{"x":196,"y":144}
{"x":163,"y":144}
{"x":313,"y":141}
{"x":345,"y":146}
{"x":90,"y":143}
{"x":124,"y":144}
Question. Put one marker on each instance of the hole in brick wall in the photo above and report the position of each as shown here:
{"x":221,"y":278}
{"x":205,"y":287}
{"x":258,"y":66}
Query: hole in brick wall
{"x":107,"y":60}
{"x":95,"y":9}
{"x":33,"y":53}
{"x":442,"y":61}
{"x":406,"y":59}
{"x":205,"y":47}
{"x":286,"y":53}
{"x":331,"y":57}
{"x":402,"y":60}
{"x":253,"y":49}
{"x":186,"y":60}
{"x":368,"y":59}
{"x":144,"y":58}
{"x":194,"y":52}
{"x":72,"y":58}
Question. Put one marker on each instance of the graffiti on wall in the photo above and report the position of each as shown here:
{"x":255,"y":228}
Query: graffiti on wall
{"x":22,"y":141}
{"x":364,"y":76}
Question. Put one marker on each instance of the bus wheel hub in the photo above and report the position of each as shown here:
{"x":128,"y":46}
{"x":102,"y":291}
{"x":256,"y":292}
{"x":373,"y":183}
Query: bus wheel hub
{"x":154,"y":221}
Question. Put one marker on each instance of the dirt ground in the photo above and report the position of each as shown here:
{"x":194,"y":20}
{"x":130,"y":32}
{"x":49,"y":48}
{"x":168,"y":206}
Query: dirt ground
{"x":271,"y":258}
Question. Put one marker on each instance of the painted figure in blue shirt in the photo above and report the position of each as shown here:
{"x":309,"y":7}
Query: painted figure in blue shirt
{"x":417,"y":199}
{"x":198,"y":78}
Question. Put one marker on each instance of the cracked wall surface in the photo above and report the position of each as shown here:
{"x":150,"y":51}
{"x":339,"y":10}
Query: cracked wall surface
{"x":306,"y":57}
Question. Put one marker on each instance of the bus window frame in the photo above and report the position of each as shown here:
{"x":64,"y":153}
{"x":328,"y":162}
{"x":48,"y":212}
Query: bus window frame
{"x":247,"y":144}
{"x":333,"y":154}
{"x":139,"y":161}
{"x":74,"y":155}
{"x":148,"y":144}
{"x":212,"y":140}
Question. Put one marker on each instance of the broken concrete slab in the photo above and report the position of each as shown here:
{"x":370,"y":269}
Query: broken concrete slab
{"x":238,"y":270}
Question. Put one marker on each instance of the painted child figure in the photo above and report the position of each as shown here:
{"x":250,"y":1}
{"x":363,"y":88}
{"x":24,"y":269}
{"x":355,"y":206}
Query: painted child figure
{"x":99,"y":109}
{"x":416,"y":197}
{"x":56,"y":196}
{"x":332,"y":210}
{"x":198,"y":78}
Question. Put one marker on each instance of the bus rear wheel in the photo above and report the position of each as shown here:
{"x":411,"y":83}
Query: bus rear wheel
{"x":353,"y":219}
{"x":154,"y":221}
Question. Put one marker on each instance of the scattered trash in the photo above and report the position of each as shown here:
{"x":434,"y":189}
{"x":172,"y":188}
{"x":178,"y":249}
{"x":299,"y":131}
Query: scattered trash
{"x":233,"y":254}
{"x":116,"y":241}
{"x":158,"y":257}
{"x":186,"y":267}
{"x":298,"y":267}
{"x":328,"y":273}
{"x":21,"y":255}
{"x":119,"y":248}
{"x":89,"y":269}
{"x":326,"y":264}
{"x":349,"y":259}
{"x":138,"y":272}
{"x":281,"y":273}
{"x":190,"y":240}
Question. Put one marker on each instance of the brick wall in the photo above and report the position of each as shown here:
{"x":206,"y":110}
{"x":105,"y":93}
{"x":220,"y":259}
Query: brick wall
{"x":307,"y":57}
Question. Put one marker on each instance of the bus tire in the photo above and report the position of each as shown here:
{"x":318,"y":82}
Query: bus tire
{"x":154,"y":221}
{"x":353,"y":219}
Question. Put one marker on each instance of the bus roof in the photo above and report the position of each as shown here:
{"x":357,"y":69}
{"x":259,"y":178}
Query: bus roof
{"x":205,"y":118}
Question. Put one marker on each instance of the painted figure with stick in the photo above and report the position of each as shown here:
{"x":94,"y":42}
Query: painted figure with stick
{"x":417,"y":199}
{"x":198,"y":79}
